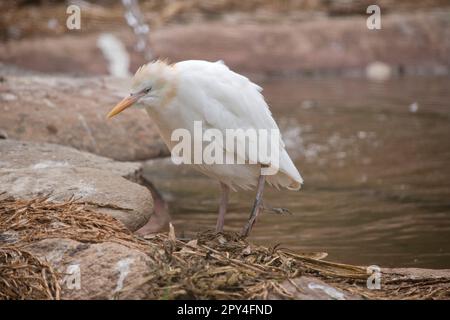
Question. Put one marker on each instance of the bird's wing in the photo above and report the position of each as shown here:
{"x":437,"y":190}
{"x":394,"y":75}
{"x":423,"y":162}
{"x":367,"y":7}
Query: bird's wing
{"x":227,"y":100}
{"x":223,"y":99}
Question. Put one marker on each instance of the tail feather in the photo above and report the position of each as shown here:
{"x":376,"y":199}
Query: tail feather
{"x":288,"y":176}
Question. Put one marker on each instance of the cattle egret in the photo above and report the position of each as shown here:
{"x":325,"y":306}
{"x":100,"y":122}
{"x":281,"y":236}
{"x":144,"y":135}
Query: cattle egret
{"x":175,"y":96}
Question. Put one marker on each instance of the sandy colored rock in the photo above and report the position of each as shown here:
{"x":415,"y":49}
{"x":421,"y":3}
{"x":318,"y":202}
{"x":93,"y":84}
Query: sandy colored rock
{"x":395,"y":283}
{"x":20,"y":155}
{"x":309,"y":288}
{"x":415,"y":42}
{"x":94,"y":271}
{"x":108,"y":193}
{"x":72,"y":112}
{"x":418,"y":273}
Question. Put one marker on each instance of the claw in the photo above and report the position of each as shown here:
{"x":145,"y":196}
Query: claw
{"x":277,"y":210}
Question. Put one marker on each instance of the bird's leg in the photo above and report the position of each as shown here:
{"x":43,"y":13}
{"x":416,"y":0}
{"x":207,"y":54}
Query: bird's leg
{"x":161,"y":218}
{"x":224,"y":191}
{"x":256,"y":207}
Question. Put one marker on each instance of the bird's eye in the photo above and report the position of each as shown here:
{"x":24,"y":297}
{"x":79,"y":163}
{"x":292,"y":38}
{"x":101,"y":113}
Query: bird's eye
{"x":147,"y":90}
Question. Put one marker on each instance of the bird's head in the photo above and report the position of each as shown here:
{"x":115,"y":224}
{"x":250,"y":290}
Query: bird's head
{"x":153,"y":85}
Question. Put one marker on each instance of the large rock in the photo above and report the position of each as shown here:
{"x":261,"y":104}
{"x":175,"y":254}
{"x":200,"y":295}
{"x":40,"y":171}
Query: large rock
{"x":94,"y":271}
{"x":418,"y":273}
{"x":309,"y":288}
{"x":395,"y":283}
{"x":414,"y":42}
{"x":72,"y":112}
{"x":411,"y":42}
{"x":20,"y":155}
{"x":28,"y":170}
{"x":108,"y":193}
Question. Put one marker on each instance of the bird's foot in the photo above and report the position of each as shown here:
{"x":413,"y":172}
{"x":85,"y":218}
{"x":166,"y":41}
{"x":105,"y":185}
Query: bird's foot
{"x":276,"y":210}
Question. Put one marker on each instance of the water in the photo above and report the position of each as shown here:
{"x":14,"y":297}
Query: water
{"x":135,"y":19}
{"x":375,"y":158}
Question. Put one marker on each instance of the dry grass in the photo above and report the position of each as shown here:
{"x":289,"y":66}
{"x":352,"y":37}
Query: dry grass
{"x":224,"y":266}
{"x":23,"y":276}
{"x":39,"y":219}
{"x":213,"y":266}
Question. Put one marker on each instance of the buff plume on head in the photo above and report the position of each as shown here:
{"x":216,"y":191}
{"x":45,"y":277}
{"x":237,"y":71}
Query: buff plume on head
{"x":152,"y":85}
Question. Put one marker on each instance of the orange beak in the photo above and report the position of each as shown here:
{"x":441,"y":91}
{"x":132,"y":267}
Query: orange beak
{"x":122,"y":105}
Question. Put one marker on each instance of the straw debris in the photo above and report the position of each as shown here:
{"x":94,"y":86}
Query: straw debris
{"x":23,"y":276}
{"x":212,"y":266}
{"x":37,"y":219}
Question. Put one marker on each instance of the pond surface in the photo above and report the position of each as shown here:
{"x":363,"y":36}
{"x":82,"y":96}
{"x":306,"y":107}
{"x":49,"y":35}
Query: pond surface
{"x":376,"y":162}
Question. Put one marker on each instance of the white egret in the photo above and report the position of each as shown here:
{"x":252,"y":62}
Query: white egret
{"x":177,"y":95}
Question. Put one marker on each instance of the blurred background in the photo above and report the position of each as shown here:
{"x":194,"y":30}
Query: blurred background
{"x":365,"y":114}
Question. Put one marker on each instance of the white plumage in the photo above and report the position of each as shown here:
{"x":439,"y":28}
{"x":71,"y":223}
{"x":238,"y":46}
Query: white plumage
{"x":177,"y":95}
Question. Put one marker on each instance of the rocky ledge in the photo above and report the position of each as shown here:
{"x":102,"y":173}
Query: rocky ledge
{"x":72,"y":112}
{"x":29,"y":170}
{"x":411,"y":42}
{"x":67,"y":216}
{"x":67,"y":251}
